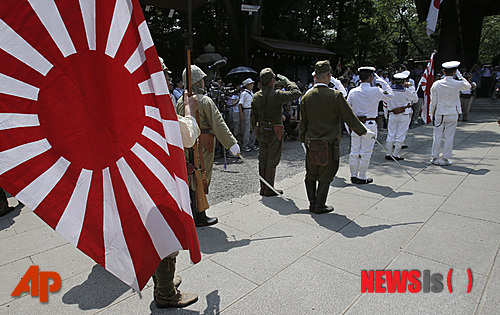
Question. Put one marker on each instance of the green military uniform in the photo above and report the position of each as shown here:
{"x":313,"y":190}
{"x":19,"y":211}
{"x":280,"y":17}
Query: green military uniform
{"x":267,"y":113}
{"x":322,"y":112}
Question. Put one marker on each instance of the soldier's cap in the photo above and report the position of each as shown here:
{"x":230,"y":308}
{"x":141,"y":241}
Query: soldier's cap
{"x":322,"y":66}
{"x":266,"y":75}
{"x":451,"y":64}
{"x":406,"y":72}
{"x":196,"y":75}
{"x":400,"y":76}
{"x":247,"y":82}
{"x":371,"y":69}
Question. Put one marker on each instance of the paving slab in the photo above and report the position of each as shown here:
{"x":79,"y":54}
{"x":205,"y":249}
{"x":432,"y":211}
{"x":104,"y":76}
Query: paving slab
{"x":416,"y":208}
{"x":490,"y":302}
{"x":252,"y":218}
{"x":347,"y":207}
{"x":272,"y":250}
{"x":32,"y":242}
{"x":434,"y":180}
{"x":458,"y":302}
{"x":306,"y":287}
{"x":366,"y":243}
{"x":457,"y":241}
{"x":87,"y":292}
{"x":217,"y":288}
{"x":474,"y":203}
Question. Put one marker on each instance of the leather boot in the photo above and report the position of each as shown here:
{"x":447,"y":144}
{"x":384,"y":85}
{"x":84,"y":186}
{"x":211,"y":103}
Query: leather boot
{"x":4,"y":204}
{"x":321,"y":195}
{"x":200,"y":218}
{"x":270,"y":175}
{"x":311,"y":193}
{"x":262,"y":173}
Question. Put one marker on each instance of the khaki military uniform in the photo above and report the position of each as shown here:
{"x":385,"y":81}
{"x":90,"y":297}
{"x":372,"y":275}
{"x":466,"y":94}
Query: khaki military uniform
{"x":322,"y":112}
{"x":267,"y":108}
{"x":211,"y":124}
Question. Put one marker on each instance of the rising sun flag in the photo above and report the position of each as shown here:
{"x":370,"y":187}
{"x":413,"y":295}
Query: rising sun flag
{"x":90,"y":137}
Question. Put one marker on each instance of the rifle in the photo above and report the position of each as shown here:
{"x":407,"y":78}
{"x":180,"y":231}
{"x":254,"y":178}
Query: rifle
{"x":196,"y":155}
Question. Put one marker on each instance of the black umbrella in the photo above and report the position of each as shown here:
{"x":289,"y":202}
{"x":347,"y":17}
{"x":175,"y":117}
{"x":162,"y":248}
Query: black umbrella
{"x":242,"y":70}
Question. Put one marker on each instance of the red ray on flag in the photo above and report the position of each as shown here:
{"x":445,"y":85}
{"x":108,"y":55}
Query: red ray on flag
{"x":90,"y":138}
{"x":425,"y":84}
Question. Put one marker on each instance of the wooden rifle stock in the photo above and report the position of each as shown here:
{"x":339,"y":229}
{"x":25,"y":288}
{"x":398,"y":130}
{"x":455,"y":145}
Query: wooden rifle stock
{"x":197,"y":157}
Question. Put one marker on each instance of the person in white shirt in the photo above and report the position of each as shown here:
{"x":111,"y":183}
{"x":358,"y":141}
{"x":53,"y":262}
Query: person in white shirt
{"x":364,"y":101}
{"x":245,"y":107}
{"x":398,"y":111}
{"x":444,"y":110}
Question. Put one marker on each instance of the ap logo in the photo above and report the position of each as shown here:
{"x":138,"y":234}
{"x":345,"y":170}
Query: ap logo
{"x":39,"y":283}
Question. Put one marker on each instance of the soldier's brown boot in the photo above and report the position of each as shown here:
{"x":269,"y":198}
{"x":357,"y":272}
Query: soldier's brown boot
{"x":262,"y":173}
{"x":200,"y":218}
{"x":179,"y":299}
{"x":270,"y":175}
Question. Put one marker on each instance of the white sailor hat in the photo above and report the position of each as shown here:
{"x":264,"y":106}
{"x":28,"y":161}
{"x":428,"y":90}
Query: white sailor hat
{"x":247,"y":82}
{"x":400,"y":76}
{"x":406,"y":72}
{"x":372,"y":69}
{"x":451,"y":64}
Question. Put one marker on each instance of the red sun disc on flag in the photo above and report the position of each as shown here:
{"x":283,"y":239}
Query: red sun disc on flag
{"x":90,"y":138}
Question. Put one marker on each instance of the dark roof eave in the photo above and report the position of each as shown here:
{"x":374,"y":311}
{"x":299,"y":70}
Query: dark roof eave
{"x":293,"y":48}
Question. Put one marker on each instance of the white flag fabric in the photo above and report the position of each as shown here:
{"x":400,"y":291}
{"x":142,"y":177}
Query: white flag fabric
{"x":432,"y":16}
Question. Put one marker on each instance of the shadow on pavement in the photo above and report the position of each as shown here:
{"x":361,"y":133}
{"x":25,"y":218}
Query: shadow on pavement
{"x":212,"y":240}
{"x":213,"y":307}
{"x":348,"y":228}
{"x":385,"y":191}
{"x":99,"y":290}
{"x":283,"y":206}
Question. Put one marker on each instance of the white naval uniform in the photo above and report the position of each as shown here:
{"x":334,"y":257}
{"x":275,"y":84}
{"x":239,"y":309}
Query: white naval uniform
{"x":398,"y":123}
{"x":364,"y":101}
{"x":445,"y":104}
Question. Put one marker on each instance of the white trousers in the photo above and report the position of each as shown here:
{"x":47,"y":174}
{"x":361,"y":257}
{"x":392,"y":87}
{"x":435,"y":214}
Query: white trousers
{"x":361,"y":152}
{"x":397,"y":128}
{"x":444,"y":128}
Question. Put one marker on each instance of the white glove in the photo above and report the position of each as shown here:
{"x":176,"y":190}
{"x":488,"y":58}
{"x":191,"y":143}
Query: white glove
{"x":235,"y":149}
{"x":369,"y":135}
{"x":459,"y":75}
{"x":304,"y":146}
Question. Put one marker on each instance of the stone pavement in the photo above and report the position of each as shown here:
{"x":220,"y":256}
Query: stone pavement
{"x":271,"y":256}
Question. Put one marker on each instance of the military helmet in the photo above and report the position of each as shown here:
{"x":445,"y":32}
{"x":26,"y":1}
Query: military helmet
{"x":196,"y":75}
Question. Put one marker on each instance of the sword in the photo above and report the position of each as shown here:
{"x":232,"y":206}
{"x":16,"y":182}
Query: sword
{"x":260,"y":177}
{"x":394,"y":159}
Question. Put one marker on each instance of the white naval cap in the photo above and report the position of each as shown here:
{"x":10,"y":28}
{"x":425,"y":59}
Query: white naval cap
{"x":401,"y":75}
{"x":451,"y":64}
{"x":367,"y":69}
{"x":406,"y":72}
{"x":247,"y":82}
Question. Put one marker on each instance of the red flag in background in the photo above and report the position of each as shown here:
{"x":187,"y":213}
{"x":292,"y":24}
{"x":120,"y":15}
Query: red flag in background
{"x":432,"y":16}
{"x":339,"y":67}
{"x":90,"y":138}
{"x":426,"y":83}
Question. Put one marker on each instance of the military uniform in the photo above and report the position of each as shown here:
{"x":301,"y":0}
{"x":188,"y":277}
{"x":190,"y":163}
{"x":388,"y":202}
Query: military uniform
{"x":445,"y":106}
{"x":398,"y":111}
{"x":322,"y":112}
{"x":267,"y":109}
{"x":211,"y":124}
{"x":364,"y":101}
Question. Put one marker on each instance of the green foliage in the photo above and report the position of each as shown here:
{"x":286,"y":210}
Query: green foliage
{"x":361,"y":32}
{"x":489,"y":50}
